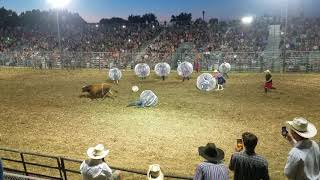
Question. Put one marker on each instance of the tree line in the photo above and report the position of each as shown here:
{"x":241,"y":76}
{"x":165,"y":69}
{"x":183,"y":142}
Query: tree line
{"x":36,"y":18}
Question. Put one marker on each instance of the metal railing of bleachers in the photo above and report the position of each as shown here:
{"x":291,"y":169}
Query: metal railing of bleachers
{"x":290,"y":61}
{"x":13,"y":176}
{"x":60,"y":167}
{"x":21,"y":160}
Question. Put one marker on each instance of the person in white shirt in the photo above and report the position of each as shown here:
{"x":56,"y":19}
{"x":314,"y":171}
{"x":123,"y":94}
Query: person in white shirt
{"x":304,"y":158}
{"x":96,"y":168}
{"x":154,"y":172}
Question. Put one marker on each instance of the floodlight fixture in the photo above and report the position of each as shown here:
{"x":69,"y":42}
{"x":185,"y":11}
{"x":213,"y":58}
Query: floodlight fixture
{"x":247,"y":20}
{"x":59,"y":4}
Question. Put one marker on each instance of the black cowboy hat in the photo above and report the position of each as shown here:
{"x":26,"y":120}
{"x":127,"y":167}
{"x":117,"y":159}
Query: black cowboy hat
{"x":211,"y":153}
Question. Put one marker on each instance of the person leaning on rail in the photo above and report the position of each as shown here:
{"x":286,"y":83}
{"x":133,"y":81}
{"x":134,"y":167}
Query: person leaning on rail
{"x":213,"y":168}
{"x":95,"y":168}
{"x":247,"y":164}
{"x":304,"y":157}
{"x":155,"y":173}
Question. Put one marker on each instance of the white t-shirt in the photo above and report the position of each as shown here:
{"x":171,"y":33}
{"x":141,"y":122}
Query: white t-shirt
{"x":100,"y":171}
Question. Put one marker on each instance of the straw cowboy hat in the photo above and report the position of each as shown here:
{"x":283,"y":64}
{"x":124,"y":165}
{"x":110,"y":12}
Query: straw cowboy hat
{"x":154,"y":172}
{"x":97,"y":152}
{"x":211,"y":153}
{"x":215,"y":71}
{"x":302,"y":127}
{"x":267,"y":71}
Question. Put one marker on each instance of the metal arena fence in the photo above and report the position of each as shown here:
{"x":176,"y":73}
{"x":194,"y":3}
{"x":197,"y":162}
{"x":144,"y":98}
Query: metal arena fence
{"x":21,"y":165}
{"x":288,"y":61}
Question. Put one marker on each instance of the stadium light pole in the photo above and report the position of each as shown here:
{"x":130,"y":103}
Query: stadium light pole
{"x":59,"y":4}
{"x":285,"y":37}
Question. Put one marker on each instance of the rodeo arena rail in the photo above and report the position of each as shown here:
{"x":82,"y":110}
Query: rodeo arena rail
{"x":277,"y":61}
{"x":22,"y":165}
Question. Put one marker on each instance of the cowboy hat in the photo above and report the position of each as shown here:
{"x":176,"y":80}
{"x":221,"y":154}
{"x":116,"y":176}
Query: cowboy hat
{"x":302,"y":127}
{"x":215,"y":71}
{"x":97,"y":152}
{"x":267,"y":71}
{"x":211,"y":153}
{"x":154,"y":172}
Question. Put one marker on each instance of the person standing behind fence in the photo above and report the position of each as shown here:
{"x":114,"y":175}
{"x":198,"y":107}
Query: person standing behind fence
{"x":304,"y":157}
{"x":196,"y":63}
{"x":96,"y":168}
{"x":154,"y":172}
{"x":247,"y":165}
{"x":213,"y":168}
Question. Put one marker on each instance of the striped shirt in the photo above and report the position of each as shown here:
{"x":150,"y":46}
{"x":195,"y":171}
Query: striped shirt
{"x":245,"y":167}
{"x":210,"y":171}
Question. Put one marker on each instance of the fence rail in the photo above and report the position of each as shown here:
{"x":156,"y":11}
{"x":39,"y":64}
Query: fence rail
{"x":288,"y":61}
{"x":60,"y":166}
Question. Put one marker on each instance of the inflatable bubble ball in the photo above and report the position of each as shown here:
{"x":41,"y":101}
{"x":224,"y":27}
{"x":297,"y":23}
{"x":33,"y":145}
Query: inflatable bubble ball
{"x":115,"y":74}
{"x":224,"y":68}
{"x":142,"y":70}
{"x":162,"y":69}
{"x":148,"y":98}
{"x":185,"y":69}
{"x":206,"y":82}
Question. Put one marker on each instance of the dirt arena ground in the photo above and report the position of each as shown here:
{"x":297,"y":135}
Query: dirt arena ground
{"x":41,"y":112}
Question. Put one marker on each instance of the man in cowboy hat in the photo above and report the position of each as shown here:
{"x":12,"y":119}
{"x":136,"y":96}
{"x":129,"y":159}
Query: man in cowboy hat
{"x":213,"y":168}
{"x":304,"y":158}
{"x":154,"y":172}
{"x":95,"y":168}
{"x":247,"y":164}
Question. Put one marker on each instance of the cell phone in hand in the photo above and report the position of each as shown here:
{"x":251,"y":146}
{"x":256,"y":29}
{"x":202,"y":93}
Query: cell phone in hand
{"x":284,"y":131}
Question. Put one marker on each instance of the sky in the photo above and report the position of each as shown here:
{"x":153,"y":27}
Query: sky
{"x":94,"y":10}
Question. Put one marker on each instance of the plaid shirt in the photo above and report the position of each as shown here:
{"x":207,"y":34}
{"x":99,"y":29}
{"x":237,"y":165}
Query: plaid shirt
{"x":245,"y":167}
{"x":210,"y":171}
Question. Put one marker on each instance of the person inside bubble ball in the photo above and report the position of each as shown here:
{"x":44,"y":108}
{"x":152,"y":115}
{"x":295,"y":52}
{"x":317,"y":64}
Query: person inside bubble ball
{"x":225,"y":74}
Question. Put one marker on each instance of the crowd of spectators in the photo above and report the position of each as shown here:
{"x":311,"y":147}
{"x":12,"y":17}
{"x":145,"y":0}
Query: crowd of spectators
{"x":303,"y":34}
{"x":126,"y":44}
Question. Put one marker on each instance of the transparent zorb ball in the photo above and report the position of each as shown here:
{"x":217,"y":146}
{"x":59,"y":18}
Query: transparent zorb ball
{"x":206,"y":82}
{"x":162,"y":69}
{"x":224,"y":68}
{"x":185,"y":69}
{"x":142,"y":70}
{"x":115,"y":74}
{"x":148,"y":98}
